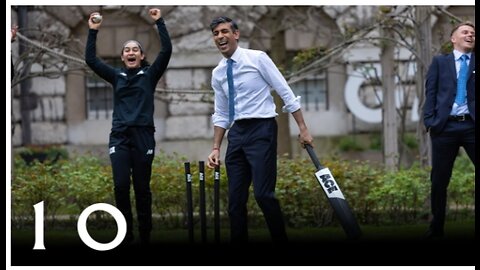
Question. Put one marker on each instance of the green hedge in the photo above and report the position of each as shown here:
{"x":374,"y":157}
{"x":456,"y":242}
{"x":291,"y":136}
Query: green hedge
{"x":67,"y":187}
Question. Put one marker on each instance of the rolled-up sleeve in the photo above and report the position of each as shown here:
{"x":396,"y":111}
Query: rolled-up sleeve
{"x":292,"y":106}
{"x":220,"y":115}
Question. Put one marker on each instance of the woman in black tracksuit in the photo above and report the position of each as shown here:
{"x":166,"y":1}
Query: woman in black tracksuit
{"x":132,"y":142}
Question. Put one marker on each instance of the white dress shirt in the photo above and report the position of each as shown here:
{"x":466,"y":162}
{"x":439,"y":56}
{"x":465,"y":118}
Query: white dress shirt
{"x":254,"y":77}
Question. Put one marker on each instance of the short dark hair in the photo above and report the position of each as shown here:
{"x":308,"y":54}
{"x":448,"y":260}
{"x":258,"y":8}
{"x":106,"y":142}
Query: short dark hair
{"x":468,"y":23}
{"x":223,"y":19}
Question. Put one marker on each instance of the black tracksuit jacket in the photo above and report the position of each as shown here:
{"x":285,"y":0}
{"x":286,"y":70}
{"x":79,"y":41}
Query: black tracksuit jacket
{"x":133,"y":88}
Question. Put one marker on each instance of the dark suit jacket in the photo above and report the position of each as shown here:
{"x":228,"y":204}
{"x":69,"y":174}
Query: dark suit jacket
{"x":441,"y":88}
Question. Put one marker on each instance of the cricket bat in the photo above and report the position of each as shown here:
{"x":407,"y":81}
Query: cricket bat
{"x":335,"y":197}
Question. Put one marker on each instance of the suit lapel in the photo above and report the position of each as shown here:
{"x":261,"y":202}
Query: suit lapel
{"x":451,"y":66}
{"x":471,"y":66}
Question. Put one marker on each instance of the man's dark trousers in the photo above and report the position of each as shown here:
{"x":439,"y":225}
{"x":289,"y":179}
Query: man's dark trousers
{"x":445,"y":147}
{"x":252,"y":156}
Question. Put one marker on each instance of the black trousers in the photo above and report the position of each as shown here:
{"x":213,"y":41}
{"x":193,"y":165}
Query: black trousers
{"x":252,"y":156}
{"x":131,"y":154}
{"x":445,"y":147}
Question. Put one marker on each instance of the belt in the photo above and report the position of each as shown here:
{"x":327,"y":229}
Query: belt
{"x":459,"y":118}
{"x":251,"y":120}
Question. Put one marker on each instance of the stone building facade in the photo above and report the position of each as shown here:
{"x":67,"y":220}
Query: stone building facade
{"x":75,"y":108}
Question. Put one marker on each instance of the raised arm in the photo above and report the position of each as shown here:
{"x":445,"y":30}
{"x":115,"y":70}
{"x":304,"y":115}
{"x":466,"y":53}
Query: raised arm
{"x":103,"y":70}
{"x":161,"y":61}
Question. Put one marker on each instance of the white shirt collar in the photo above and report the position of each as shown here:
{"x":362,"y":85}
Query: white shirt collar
{"x":458,"y":54}
{"x":235,"y":56}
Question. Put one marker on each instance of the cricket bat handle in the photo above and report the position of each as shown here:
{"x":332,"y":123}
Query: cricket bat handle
{"x":313,"y":156}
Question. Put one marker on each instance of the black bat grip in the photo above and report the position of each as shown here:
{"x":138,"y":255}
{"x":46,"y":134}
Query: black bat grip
{"x":313,"y":156}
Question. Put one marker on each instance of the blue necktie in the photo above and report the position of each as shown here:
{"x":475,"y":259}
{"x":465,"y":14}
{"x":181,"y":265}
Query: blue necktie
{"x":231,"y":92}
{"x":462,"y":81}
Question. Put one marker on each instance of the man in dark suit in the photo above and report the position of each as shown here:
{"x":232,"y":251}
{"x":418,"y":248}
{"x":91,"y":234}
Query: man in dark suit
{"x":449,"y":116}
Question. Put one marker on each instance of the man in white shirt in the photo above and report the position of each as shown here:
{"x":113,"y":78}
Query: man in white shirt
{"x":242,"y":82}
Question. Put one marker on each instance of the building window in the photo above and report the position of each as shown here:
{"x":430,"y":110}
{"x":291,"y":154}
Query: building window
{"x":100,"y":94}
{"x":99,"y":99}
{"x":313,"y":91}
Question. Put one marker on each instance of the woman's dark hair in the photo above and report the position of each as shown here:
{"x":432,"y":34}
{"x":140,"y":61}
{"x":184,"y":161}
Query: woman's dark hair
{"x":144,"y":61}
{"x":223,"y":19}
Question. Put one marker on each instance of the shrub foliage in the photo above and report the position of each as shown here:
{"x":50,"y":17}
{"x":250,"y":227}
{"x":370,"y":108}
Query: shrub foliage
{"x":68,"y":186}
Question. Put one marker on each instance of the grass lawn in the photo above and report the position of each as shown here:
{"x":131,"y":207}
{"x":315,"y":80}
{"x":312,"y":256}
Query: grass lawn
{"x":379,"y":245}
{"x":453,"y":230}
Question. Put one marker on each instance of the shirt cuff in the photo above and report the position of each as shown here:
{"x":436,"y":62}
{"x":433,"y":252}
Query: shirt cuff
{"x":293,"y":106}
{"x":220,"y":121}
